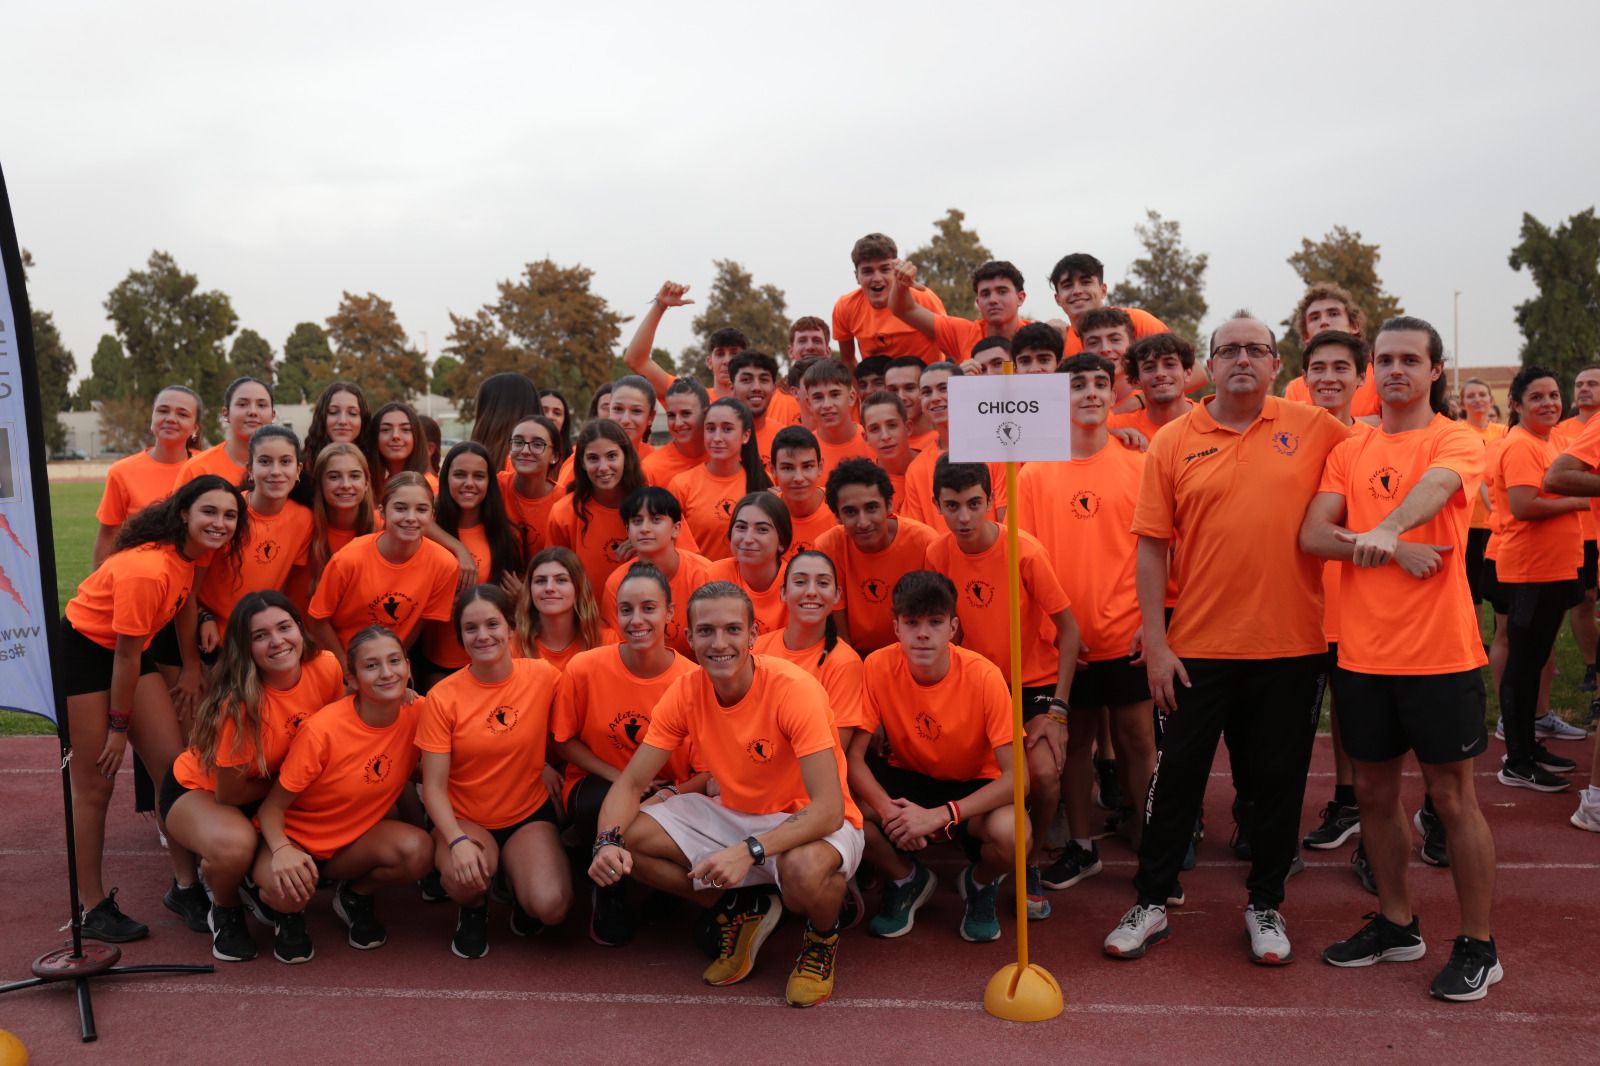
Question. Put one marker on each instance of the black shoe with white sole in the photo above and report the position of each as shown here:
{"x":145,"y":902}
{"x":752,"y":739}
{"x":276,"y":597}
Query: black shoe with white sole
{"x":291,"y":944}
{"x":1531,"y":775}
{"x":1380,"y":940}
{"x":471,"y":940}
{"x":230,"y":935}
{"x":1339,"y":823}
{"x":1431,"y":828}
{"x":357,"y":912}
{"x":1546,"y":759}
{"x":1474,"y":965}
{"x":191,"y":904}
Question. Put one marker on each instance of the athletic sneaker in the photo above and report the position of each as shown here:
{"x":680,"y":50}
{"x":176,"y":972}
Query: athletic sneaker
{"x":1531,"y":775}
{"x":522,"y":923}
{"x":1240,"y":841}
{"x":1363,"y":869}
{"x":1176,"y":898}
{"x":230,"y":936}
{"x":1380,"y":940}
{"x":1551,"y":726}
{"x":1141,"y":927}
{"x":1297,"y":865}
{"x":1038,"y":906}
{"x":1269,"y":937}
{"x":291,"y":943}
{"x":811,"y":980}
{"x":357,"y":912}
{"x":852,"y":907}
{"x":471,"y":940}
{"x":744,"y":921}
{"x":1474,"y":965}
{"x":191,"y":904}
{"x":1587,"y":816}
{"x":897,"y":909}
{"x":1108,"y":792}
{"x":1549,"y":760}
{"x":250,"y":893}
{"x":1431,"y":828}
{"x":1074,"y":864}
{"x":105,"y":921}
{"x":432,"y":888}
{"x":980,"y":920}
{"x":609,"y":922}
{"x":1340,"y":822}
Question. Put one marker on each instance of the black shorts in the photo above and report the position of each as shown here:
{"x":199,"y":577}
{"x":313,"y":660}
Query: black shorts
{"x":1589,"y":575}
{"x":930,"y":793}
{"x":1438,"y":716}
{"x":1493,"y":591}
{"x":1035,"y":700}
{"x":172,"y":791}
{"x":545,"y":813}
{"x":424,"y":669}
{"x":87,"y":664}
{"x":1525,"y":599}
{"x":1477,"y":541}
{"x":1109,"y":683}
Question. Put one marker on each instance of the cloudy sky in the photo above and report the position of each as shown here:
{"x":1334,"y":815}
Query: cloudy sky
{"x":286,"y":152}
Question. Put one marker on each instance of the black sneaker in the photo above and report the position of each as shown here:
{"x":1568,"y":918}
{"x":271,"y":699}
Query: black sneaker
{"x":1431,"y":828}
{"x":1474,"y":965}
{"x":609,"y":922}
{"x":432,"y":888}
{"x":291,"y":944}
{"x":1340,"y":822}
{"x":523,"y":923}
{"x":1109,"y":792}
{"x":357,"y":912}
{"x":472,"y":933}
{"x":1588,"y":683}
{"x":105,"y":921}
{"x":1530,"y":774}
{"x":1380,"y":940}
{"x":230,"y":936}
{"x":250,"y":893}
{"x":191,"y":904}
{"x":1363,"y":869}
{"x":1074,"y":864}
{"x":1549,"y":760}
{"x":1240,"y":841}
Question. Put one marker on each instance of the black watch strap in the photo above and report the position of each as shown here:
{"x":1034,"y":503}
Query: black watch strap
{"x":757,"y":852}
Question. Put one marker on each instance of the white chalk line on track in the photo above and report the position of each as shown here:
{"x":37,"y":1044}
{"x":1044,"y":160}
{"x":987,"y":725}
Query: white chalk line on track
{"x":631,"y":999}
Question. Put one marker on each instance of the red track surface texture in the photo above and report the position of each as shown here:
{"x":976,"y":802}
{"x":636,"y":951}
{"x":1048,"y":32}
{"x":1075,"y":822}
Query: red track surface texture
{"x":560,"y":998}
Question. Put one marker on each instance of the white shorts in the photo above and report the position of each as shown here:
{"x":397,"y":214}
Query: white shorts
{"x":702,"y":826}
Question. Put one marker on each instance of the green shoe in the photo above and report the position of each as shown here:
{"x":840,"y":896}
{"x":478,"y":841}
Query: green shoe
{"x":897,"y":912}
{"x":981,"y":922}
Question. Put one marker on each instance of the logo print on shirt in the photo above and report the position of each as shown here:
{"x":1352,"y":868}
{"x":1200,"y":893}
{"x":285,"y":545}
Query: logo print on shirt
{"x":614,"y":548}
{"x":1201,"y":454}
{"x":378,"y":768}
{"x":874,"y":589}
{"x":759,"y":750}
{"x":503,"y":719}
{"x":979,"y":593}
{"x":627,"y":729}
{"x":1287,"y":443}
{"x":296,"y":720}
{"x":267,"y":550}
{"x":1384,"y":483}
{"x":391,"y":609}
{"x":1083,"y":504}
{"x":927,"y":725}
{"x":726,"y":507}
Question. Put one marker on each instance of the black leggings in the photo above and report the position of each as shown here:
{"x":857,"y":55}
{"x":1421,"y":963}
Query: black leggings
{"x":1536,"y":611}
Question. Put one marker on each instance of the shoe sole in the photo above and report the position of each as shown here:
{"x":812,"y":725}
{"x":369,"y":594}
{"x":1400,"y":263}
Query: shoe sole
{"x":911,"y":912}
{"x":107,"y":938}
{"x":458,"y":954}
{"x":1422,"y":850}
{"x":769,"y":922}
{"x":1271,"y":958}
{"x":803,"y":1006}
{"x":1409,"y":953}
{"x":1086,"y":872}
{"x":961,"y":888}
{"x":221,"y":956}
{"x":1533,"y":786}
{"x":1335,"y":842}
{"x":338,"y":908}
{"x":1556,"y":768}
{"x":1581,"y":823}
{"x":205,"y":921}
{"x":1495,"y":974}
{"x":1150,"y":941}
{"x":307,"y":957}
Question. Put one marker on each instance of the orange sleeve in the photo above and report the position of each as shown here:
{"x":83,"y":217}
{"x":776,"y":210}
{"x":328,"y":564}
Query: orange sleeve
{"x":1586,"y":448}
{"x":669,"y":720}
{"x":1039,"y":577}
{"x":1521,"y":462}
{"x":871,"y":713}
{"x":307,"y":757}
{"x":113,"y":507}
{"x":1336,"y":470}
{"x":949,"y":333}
{"x":442,"y":591}
{"x":995,"y":699}
{"x":842,"y":677}
{"x":842,"y":320}
{"x":435,"y":727}
{"x":336,"y":578}
{"x":137,"y":604}
{"x":564,"y":723}
{"x":804,"y":718}
{"x":232,"y":749}
{"x":1152,"y":517}
{"x":562,"y":531}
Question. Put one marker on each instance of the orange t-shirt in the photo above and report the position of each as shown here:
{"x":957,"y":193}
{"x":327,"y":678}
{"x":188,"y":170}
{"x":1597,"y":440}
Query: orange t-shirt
{"x":808,"y":530}
{"x":983,"y":603}
{"x":134,"y":483}
{"x":275,"y":545}
{"x":854,"y":448}
{"x":530,"y":516}
{"x":282,"y":710}
{"x":600,"y":544}
{"x":1565,"y":434}
{"x":666,"y":463}
{"x":1366,"y":401}
{"x":782,"y":410}
{"x":1333,"y":568}
{"x":494,"y":769}
{"x":1491,"y":432}
{"x":956,"y":336}
{"x":693,"y":571}
{"x":361,"y":588}
{"x":772,"y":614}
{"x":213,"y":460}
{"x":868,"y":580}
{"x":1144,"y":325}
{"x":1231,"y":504}
{"x":345,"y":775}
{"x":1297,"y":391}
{"x":1585,"y":448}
{"x":561,"y":659}
{"x":1550,"y":549}
{"x":607,"y":707}
{"x":876,"y":330}
{"x":439,"y":641}
{"x":1390,"y":622}
{"x":919,"y":503}
{"x":948,"y":729}
{"x":134,"y":593}
{"x":754,"y":747}
{"x":1502,"y":514}
{"x":839,"y":672}
{"x":707,"y":501}
{"x":1140,"y":420}
{"x":1081,"y":511}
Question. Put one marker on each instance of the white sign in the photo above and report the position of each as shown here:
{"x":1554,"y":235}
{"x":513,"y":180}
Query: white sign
{"x":1015,"y":418}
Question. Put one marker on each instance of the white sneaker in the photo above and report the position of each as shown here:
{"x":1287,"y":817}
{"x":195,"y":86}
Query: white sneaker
{"x":1551,"y":726}
{"x":1587,"y":816}
{"x":1500,"y":730}
{"x":1269,"y":939}
{"x":1139,"y":928}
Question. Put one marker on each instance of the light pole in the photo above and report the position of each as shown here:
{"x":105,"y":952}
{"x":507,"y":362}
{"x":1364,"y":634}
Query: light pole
{"x":1455,"y":342}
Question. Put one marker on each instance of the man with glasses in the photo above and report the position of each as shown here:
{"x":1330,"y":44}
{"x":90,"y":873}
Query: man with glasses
{"x":1223,"y":490}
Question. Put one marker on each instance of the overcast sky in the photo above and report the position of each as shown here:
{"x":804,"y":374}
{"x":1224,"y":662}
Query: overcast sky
{"x":424,"y":151}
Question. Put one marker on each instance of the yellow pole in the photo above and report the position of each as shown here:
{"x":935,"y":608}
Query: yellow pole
{"x":1020,"y":992}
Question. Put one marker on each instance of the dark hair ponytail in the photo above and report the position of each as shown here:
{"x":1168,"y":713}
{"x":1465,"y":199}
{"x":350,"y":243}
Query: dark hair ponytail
{"x":755,"y":475}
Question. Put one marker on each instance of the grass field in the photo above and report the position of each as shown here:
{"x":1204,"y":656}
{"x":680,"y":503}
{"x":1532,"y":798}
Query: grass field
{"x":73,"y":507}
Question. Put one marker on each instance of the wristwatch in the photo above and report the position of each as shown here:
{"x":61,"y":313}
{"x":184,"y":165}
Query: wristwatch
{"x":757,"y":852}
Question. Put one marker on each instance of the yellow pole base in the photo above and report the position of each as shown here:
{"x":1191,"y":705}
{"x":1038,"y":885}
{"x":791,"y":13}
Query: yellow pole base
{"x":1029,"y":995}
{"x":12,"y":1053}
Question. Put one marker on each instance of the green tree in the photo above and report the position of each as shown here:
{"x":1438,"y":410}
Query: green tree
{"x":251,"y":356}
{"x":109,"y":374}
{"x":370,"y":348}
{"x":173,"y":332}
{"x":1561,"y":325}
{"x":759,"y":312}
{"x":1169,"y":281}
{"x":545,"y":323}
{"x":446,"y":376}
{"x":56,"y":367}
{"x":1344,"y":259}
{"x":307,"y":365}
{"x":945,"y":264}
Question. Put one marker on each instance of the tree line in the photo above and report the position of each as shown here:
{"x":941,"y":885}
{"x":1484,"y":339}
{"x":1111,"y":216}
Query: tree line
{"x":548,"y":322}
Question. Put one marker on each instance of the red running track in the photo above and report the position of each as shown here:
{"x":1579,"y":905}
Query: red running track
{"x":560,"y":998}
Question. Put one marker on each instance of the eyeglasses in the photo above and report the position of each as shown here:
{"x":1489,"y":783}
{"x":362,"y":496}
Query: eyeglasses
{"x":1232,"y":351}
{"x":523,"y":444}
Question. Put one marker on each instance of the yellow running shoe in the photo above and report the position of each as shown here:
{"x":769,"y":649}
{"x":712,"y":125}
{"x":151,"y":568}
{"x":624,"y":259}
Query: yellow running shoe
{"x":811,"y":981}
{"x":742,"y":926}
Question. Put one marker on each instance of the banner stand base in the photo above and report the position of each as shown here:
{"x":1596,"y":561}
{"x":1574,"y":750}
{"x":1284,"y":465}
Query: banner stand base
{"x":82,"y":966}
